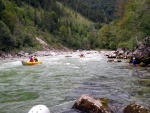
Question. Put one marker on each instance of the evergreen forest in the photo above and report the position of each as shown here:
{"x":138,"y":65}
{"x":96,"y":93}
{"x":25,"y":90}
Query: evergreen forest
{"x":75,"y":24}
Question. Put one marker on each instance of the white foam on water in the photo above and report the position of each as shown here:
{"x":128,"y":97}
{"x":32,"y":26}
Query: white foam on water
{"x":10,"y":64}
{"x":92,"y":57}
{"x":62,"y":107}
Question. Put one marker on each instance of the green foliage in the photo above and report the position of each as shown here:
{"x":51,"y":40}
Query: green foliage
{"x":23,"y":20}
{"x":134,"y":23}
{"x":63,"y":30}
{"x":144,"y":14}
{"x":2,"y":7}
{"x":95,"y":10}
{"x":7,"y":42}
{"x":104,"y":35}
{"x":49,"y":20}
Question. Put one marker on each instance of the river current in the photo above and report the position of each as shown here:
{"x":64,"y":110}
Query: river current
{"x":63,"y":78}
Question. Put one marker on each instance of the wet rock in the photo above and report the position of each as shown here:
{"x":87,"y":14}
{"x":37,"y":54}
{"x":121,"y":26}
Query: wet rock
{"x":117,"y":60}
{"x":68,"y":56}
{"x":130,"y":54}
{"x":119,"y":53}
{"x":110,"y":60}
{"x":111,"y":56}
{"x":142,"y":53}
{"x":142,"y":64}
{"x":127,"y":54}
{"x":135,"y":108}
{"x":120,"y":57}
{"x":114,"y":60}
{"x":109,"y":53}
{"x":88,"y":104}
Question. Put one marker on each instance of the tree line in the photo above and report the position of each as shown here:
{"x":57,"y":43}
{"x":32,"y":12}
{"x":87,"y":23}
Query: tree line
{"x":105,"y":25}
{"x":133,"y":21}
{"x":96,"y":10}
{"x":22,"y":20}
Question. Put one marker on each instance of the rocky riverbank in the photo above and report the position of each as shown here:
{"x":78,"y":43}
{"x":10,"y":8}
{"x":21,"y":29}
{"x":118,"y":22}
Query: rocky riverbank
{"x":89,"y":104}
{"x":141,"y":54}
{"x":23,"y":54}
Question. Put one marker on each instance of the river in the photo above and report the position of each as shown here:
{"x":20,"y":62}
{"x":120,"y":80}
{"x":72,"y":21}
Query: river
{"x":63,"y":78}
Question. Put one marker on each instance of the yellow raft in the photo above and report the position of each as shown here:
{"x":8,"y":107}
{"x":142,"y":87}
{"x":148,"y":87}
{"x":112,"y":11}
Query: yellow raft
{"x":30,"y":63}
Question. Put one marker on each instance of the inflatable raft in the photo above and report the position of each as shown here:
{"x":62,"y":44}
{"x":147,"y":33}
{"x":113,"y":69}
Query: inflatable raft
{"x":82,"y":55}
{"x":30,"y":63}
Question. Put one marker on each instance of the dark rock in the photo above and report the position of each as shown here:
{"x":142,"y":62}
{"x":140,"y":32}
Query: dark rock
{"x":142,"y":64}
{"x":135,"y":108}
{"x":68,"y":56}
{"x":111,"y":56}
{"x":88,"y":104}
{"x":142,"y":53}
{"x":117,"y":60}
{"x":114,"y":60}
{"x":111,"y":60}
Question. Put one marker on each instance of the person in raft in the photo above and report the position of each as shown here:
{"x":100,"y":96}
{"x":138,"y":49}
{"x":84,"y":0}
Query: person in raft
{"x":31,"y":59}
{"x":35,"y":58}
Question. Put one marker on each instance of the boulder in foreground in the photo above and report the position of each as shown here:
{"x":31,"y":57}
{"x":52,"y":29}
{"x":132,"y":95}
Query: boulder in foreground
{"x":88,"y":104}
{"x":135,"y":108}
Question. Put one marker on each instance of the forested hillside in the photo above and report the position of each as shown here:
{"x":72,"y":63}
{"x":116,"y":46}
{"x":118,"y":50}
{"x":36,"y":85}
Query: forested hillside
{"x":132,"y":22}
{"x":23,"y":20}
{"x":76,"y":24}
{"x":95,"y":10}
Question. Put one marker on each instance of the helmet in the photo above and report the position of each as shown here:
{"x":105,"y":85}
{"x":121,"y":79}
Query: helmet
{"x":39,"y":109}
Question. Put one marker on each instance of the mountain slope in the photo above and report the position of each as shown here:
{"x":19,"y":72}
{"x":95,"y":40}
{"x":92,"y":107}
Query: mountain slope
{"x":95,"y":10}
{"x":54,"y":23}
{"x":133,"y":22}
{"x":61,"y":22}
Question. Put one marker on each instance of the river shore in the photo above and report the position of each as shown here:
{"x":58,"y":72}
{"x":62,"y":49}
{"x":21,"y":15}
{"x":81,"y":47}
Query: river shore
{"x":22,"y":54}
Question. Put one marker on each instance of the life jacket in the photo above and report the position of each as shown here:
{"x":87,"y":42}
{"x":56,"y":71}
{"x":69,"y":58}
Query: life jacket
{"x":31,"y":60}
{"x":134,"y":61}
